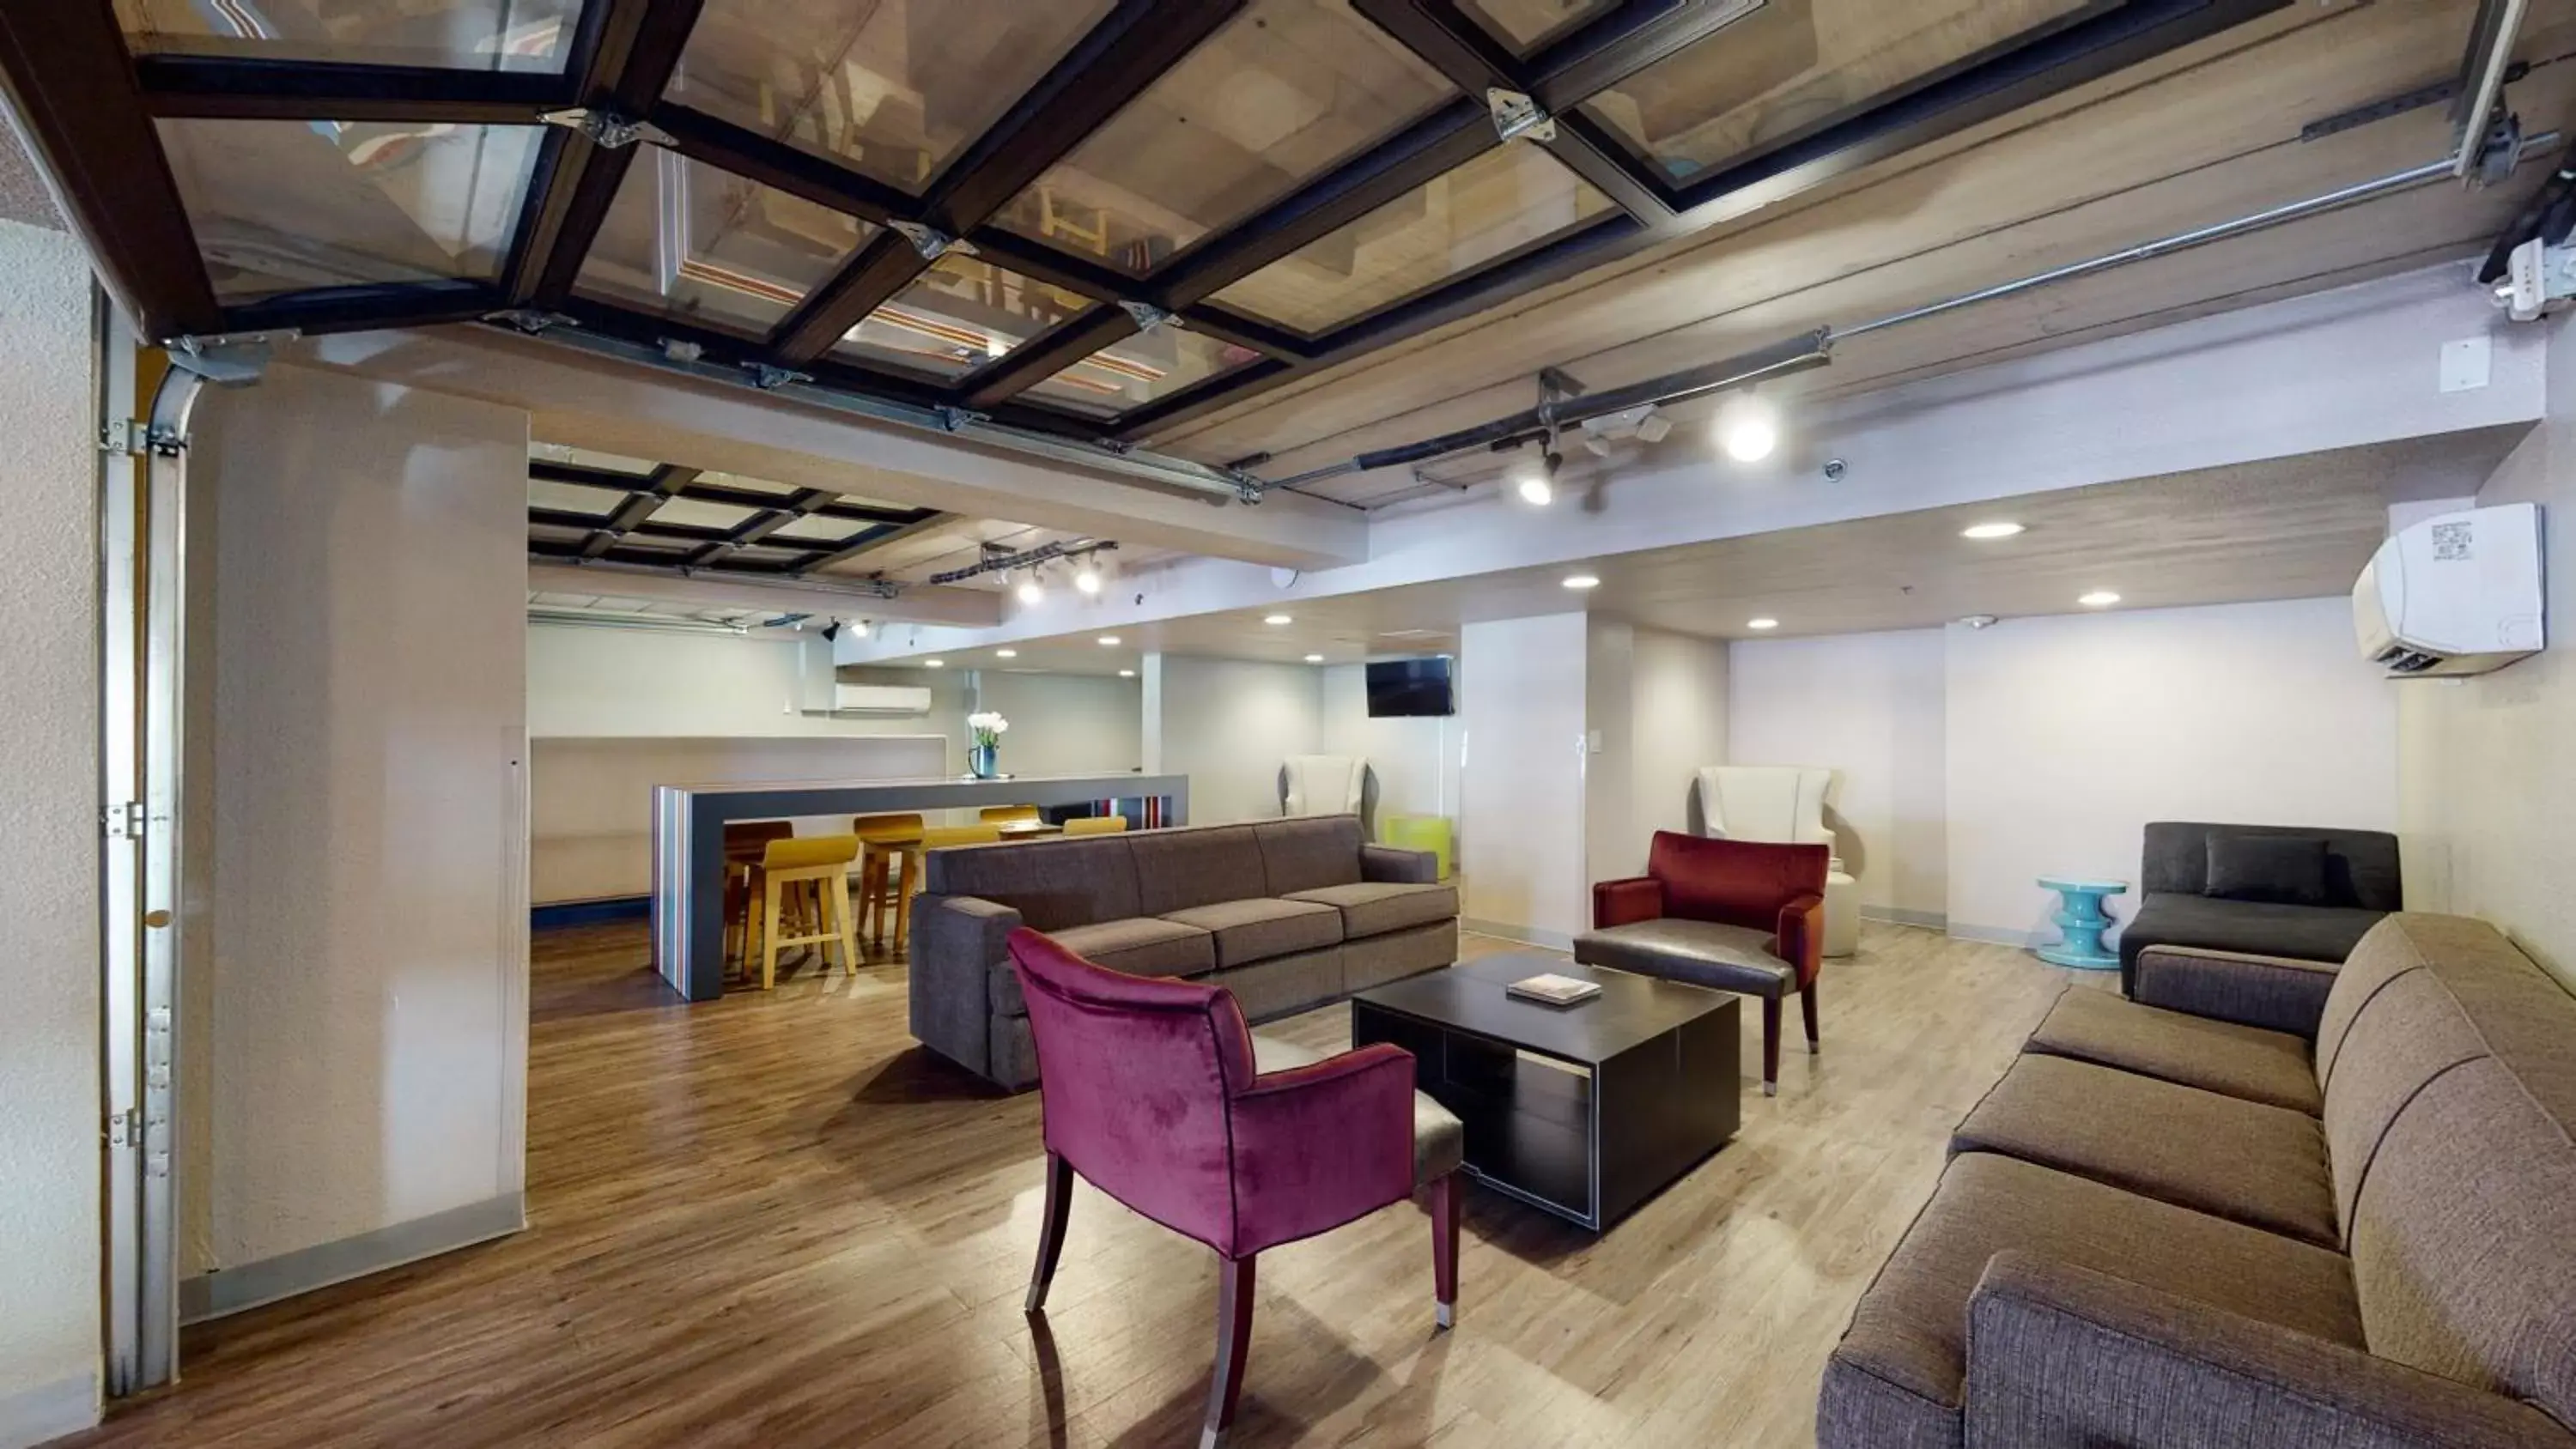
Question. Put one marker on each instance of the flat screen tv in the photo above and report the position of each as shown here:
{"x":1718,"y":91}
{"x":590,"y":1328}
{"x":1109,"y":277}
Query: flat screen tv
{"x":1410,"y":687}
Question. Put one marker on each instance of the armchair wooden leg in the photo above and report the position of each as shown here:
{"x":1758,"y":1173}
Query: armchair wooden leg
{"x":1233,"y":1341}
{"x":1445,"y":1196}
{"x":1770,"y":1046}
{"x":1059,"y":1208}
{"x":1807,"y":1005}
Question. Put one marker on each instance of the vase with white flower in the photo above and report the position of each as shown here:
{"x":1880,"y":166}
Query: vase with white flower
{"x":984,"y":754}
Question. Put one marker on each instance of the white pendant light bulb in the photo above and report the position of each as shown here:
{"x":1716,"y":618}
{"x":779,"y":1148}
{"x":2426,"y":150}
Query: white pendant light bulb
{"x":1086,"y":577}
{"x":1536,"y":491}
{"x":1748,"y":428}
{"x":1030,"y":591}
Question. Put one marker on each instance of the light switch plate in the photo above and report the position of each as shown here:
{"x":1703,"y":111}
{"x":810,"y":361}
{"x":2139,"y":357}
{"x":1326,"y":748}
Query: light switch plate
{"x":1593,"y":740}
{"x":2467,"y":364}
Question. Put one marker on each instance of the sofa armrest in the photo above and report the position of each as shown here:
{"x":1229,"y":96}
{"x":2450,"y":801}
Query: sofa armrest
{"x":2272,"y":992}
{"x":1802,"y":936}
{"x":1319,"y":1145}
{"x":1620,"y":902}
{"x":2064,"y":1355}
{"x":1398,"y":866}
{"x":957,"y":942}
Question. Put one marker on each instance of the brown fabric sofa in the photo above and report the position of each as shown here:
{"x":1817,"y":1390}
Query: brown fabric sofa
{"x":2264,"y":1203}
{"x":1287,"y":914}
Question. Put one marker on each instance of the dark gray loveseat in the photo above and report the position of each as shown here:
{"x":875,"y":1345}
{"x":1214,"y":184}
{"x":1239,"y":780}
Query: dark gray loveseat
{"x":2359,"y":885}
{"x":1287,"y":914}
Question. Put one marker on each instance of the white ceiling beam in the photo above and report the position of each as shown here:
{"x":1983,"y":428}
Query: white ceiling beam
{"x":919,"y":603}
{"x":616,"y":407}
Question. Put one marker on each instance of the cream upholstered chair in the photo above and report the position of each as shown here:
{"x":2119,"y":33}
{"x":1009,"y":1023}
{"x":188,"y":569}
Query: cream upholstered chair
{"x":1784,"y":804}
{"x":1325,"y":785}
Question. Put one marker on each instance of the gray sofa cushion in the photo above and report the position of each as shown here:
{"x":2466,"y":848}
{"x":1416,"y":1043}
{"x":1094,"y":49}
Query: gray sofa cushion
{"x":1373,"y":908}
{"x":1703,"y":953}
{"x":1376,"y":960}
{"x":1283,"y":985}
{"x":2257,"y":928}
{"x":1257,"y":930}
{"x":1302,"y":854}
{"x":1053,"y":884}
{"x":2361,"y":865}
{"x":1178,"y":869}
{"x":1139,"y":946}
{"x":2258,"y":1165}
{"x":1899,"y":1375}
{"x":2287,"y":869}
{"x":2218,"y":1056}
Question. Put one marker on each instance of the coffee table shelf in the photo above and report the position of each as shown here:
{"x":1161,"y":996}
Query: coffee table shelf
{"x":1583,"y":1111}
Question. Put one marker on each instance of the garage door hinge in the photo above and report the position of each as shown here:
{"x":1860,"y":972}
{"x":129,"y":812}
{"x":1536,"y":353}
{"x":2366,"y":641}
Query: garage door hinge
{"x":128,"y":437}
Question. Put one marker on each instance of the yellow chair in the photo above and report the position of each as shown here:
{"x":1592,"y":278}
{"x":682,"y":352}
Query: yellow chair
{"x":888,"y":844}
{"x":823,"y":862}
{"x":1004,"y":815}
{"x":1096,"y":825}
{"x":744,"y":845}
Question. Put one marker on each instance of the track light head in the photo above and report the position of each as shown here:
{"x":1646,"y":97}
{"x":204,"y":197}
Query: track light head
{"x":1748,"y":428}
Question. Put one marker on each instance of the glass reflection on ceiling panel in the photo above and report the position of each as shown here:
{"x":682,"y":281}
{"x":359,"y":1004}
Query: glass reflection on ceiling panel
{"x":1793,"y":67}
{"x":527,"y":35}
{"x":573,"y":497}
{"x":818,"y":528}
{"x":957,"y":315}
{"x":1283,"y":93}
{"x":1141,"y":369}
{"x":1507,"y":200}
{"x":694,"y":242}
{"x":1528,"y":25}
{"x":283,"y":206}
{"x":891,"y":88}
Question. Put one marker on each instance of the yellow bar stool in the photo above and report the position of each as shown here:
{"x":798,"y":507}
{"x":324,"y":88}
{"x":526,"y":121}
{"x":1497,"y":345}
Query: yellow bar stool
{"x":744,"y":845}
{"x":888,"y":843}
{"x":823,"y":863}
{"x":1003,"y":815}
{"x":1096,"y":825}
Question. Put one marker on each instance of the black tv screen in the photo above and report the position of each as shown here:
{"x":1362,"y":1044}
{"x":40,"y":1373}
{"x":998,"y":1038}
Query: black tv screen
{"x":1410,"y":687}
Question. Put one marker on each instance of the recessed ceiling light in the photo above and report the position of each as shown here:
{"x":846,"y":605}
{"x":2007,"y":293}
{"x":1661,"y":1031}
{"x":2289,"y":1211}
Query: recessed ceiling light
{"x":2099,"y":599}
{"x":934,"y":664}
{"x":1761,"y":623}
{"x":1126,"y":673}
{"x":1108,"y":641}
{"x":1314,"y":658}
{"x":1006,"y":654}
{"x":1990,"y":530}
{"x":1278,"y":619}
{"x":1581,"y":581}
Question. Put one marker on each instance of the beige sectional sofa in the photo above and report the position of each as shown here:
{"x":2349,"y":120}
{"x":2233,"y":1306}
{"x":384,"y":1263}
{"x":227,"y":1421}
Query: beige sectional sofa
{"x":2263,"y":1203}
{"x":1287,"y":914}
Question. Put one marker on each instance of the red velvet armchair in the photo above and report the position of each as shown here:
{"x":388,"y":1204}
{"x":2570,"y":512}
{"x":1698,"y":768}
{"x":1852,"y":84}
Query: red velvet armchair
{"x":1737,"y":915}
{"x":1152,"y":1092}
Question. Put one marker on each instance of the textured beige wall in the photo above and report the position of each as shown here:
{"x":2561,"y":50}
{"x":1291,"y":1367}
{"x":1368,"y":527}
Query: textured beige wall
{"x":2487,"y":766}
{"x":49,"y":1103}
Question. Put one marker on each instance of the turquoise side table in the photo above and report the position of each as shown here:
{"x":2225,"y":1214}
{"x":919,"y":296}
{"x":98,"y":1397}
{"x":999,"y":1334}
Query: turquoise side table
{"x":2081,"y":917}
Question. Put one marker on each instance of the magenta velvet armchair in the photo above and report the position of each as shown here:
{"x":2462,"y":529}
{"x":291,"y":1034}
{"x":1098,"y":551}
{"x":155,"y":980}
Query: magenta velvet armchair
{"x":1151,"y":1092}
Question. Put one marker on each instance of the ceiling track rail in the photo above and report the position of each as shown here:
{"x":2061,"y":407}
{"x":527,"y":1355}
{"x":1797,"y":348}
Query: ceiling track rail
{"x":875,"y":590}
{"x":1815,"y":349}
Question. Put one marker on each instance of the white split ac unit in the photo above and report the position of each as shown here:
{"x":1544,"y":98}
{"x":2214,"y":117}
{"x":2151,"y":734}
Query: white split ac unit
{"x":880,"y":699}
{"x":2455,"y":594}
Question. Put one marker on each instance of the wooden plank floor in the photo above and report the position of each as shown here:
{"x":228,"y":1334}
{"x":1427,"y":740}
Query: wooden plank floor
{"x":775,"y":1221}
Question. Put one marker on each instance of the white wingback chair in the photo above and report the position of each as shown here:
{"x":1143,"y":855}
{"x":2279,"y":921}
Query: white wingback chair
{"x":1323,"y":785}
{"x":1784,"y":803}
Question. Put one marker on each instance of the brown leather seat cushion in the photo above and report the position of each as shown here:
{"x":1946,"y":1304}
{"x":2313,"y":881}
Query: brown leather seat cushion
{"x":2248,"y":1162}
{"x":1899,"y":1374}
{"x":1259,"y":929}
{"x":1373,"y":908}
{"x":1703,"y":953}
{"x":2237,"y":1061}
{"x":1139,"y":946}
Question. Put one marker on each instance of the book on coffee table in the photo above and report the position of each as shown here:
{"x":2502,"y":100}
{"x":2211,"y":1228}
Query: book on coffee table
{"x":1551,"y":989}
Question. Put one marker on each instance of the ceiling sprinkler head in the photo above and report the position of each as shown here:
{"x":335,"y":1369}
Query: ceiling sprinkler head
{"x":1980,"y":621}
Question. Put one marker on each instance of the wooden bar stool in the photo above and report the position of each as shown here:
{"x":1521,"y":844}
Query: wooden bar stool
{"x":1096,"y":825}
{"x":744,"y":845}
{"x":890,"y":844}
{"x":823,"y":863}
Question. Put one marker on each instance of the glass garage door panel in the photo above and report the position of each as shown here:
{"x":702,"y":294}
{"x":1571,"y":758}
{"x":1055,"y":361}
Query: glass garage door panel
{"x":534,"y":35}
{"x":958,"y":315}
{"x":1142,"y":369}
{"x":691,"y":241}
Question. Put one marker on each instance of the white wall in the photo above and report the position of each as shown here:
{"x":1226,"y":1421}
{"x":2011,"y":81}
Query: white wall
{"x":1868,"y":707}
{"x":357,"y":919}
{"x":1066,"y":724}
{"x":1415,"y":757}
{"x":1680,"y":722}
{"x":1229,"y":724}
{"x":609,"y":683}
{"x":2489,"y":763}
{"x":1522,"y":785}
{"x":2066,"y":735}
{"x":1612,"y":846}
{"x":49,"y":1072}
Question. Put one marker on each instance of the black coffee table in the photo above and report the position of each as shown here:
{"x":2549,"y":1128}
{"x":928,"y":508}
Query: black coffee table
{"x":1585,"y":1111}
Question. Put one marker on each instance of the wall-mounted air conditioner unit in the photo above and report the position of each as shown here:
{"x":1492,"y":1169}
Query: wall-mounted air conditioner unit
{"x":2455,"y":594}
{"x":880,"y":699}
